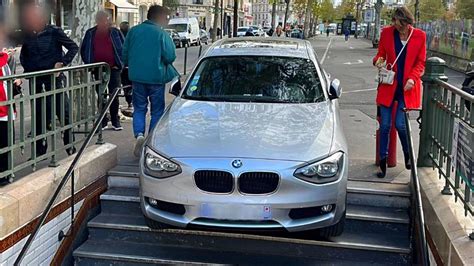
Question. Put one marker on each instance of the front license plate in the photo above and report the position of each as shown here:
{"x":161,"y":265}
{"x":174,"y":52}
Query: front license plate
{"x":236,"y":212}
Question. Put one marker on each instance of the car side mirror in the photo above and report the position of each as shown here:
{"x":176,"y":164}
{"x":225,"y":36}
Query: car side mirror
{"x":335,"y":89}
{"x":189,"y":30}
{"x":175,"y":88}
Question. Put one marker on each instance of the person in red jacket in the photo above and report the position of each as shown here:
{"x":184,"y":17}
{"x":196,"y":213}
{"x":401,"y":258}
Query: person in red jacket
{"x":409,"y":44}
{"x":5,"y":59}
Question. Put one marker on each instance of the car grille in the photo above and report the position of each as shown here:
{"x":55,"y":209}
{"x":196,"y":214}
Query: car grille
{"x":258,"y":182}
{"x":214,"y":181}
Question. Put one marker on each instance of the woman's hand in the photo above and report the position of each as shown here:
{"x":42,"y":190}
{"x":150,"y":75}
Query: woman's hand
{"x":409,"y":85}
{"x":380,"y":63}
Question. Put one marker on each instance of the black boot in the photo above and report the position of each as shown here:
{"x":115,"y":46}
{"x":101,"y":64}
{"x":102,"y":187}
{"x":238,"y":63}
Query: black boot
{"x":383,"y":168}
{"x":407,"y":161}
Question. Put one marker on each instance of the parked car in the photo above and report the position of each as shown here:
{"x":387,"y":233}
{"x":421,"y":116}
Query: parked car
{"x":175,"y":36}
{"x":204,"y":37}
{"x":241,"y":31}
{"x":296,"y":33}
{"x":187,"y":28}
{"x":253,"y":140}
{"x":257,"y":31}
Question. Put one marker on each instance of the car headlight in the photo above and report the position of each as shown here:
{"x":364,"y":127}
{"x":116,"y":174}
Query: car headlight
{"x":159,"y":166}
{"x":324,"y":171}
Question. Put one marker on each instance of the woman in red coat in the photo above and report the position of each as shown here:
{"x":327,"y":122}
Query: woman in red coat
{"x":409,"y":44}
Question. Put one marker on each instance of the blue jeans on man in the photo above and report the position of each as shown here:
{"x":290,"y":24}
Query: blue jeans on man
{"x":142,"y":94}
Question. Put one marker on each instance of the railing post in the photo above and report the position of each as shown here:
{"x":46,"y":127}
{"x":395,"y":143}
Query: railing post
{"x":434,"y":70}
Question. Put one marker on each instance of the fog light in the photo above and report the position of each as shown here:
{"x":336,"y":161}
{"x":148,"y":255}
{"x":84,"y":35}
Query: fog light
{"x":326,"y":208}
{"x":153,"y":202}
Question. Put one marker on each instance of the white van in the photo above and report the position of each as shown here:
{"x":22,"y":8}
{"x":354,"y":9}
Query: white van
{"x":187,"y":28}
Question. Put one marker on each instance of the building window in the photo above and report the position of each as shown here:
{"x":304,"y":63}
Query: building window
{"x":198,"y":2}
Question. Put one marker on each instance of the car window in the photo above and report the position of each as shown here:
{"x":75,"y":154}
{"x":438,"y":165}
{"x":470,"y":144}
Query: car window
{"x":255,"y":79}
{"x":242,"y":29}
{"x":179,"y":27}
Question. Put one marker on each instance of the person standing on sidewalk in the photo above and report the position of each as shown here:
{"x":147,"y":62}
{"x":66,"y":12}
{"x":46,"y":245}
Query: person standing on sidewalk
{"x":149,"y":53}
{"x":347,"y":32}
{"x":124,"y":28}
{"x":409,"y":44}
{"x":6,"y":62}
{"x":43,"y":50}
{"x":104,"y":43}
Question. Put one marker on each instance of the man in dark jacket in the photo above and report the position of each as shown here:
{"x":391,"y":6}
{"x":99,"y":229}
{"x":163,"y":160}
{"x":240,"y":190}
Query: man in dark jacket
{"x":104,"y":43}
{"x":43,"y":50}
{"x":124,"y":28}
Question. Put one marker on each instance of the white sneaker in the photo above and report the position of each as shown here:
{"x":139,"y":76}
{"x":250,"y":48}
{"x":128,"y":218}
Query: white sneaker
{"x":137,"y":151}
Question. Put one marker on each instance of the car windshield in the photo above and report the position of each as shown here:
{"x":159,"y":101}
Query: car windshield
{"x":255,"y":79}
{"x":242,"y":29}
{"x":254,"y":27}
{"x":179,"y":27}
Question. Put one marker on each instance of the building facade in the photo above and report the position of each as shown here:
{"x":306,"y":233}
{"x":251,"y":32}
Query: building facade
{"x":262,"y":13}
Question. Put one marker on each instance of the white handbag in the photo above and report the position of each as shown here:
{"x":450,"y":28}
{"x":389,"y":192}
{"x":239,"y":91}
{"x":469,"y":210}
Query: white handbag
{"x":386,"y":75}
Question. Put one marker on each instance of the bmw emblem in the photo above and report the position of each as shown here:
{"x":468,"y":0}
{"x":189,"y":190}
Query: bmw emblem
{"x":237,"y":163}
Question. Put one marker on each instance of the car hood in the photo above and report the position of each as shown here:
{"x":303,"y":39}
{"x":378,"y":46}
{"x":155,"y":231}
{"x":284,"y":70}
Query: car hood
{"x":296,"y":132}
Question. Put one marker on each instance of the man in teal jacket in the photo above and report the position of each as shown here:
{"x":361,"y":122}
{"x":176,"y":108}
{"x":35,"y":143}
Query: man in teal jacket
{"x":148,"y":51}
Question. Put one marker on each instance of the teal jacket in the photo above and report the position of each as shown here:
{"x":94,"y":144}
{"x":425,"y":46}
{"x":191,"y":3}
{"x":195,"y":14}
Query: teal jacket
{"x":148,"y":51}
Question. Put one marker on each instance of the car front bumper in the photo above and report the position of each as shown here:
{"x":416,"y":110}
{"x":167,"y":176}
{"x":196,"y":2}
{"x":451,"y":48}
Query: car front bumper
{"x":243,"y":211}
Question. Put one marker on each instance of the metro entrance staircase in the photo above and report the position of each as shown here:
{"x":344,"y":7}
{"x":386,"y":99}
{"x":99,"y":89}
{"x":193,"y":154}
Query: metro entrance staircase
{"x":378,"y":231}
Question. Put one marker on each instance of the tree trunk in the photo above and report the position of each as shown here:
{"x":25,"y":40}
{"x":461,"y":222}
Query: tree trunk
{"x":216,"y":18}
{"x":236,"y":18}
{"x":307,"y":18}
{"x":274,"y":6}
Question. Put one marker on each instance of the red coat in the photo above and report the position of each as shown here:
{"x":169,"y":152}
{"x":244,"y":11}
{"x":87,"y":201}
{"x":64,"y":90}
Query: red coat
{"x":414,"y":66}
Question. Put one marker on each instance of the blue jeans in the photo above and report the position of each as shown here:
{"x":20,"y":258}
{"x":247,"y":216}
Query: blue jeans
{"x":386,"y":124}
{"x":142,"y":93}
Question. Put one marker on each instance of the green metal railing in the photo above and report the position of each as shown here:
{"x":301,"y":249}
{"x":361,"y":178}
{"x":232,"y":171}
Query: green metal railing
{"x":54,"y":104}
{"x":445,"y":106}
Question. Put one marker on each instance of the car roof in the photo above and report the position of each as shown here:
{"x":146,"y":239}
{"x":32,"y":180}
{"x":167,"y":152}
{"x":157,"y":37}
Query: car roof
{"x":252,"y":46}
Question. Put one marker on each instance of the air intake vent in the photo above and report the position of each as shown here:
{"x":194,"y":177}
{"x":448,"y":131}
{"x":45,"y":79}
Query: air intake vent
{"x":258,"y":182}
{"x":214,"y":181}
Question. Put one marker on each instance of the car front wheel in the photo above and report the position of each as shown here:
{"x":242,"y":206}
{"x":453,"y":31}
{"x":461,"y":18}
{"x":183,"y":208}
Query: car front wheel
{"x":334,"y":230}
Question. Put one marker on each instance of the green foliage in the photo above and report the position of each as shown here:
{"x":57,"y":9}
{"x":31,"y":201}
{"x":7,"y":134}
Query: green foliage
{"x":345,"y":8}
{"x":299,"y":7}
{"x":432,"y":10}
{"x":327,"y":11}
{"x":465,"y":9}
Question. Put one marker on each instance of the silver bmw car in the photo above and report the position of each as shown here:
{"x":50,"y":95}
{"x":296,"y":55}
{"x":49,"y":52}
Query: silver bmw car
{"x":253,"y":140}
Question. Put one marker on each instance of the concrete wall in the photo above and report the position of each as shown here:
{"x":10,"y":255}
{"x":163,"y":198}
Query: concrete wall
{"x":24,"y":200}
{"x":447,"y":225}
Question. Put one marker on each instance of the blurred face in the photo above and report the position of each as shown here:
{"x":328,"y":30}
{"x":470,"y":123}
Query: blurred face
{"x":163,"y":20}
{"x":278,"y":30}
{"x":400,"y":26}
{"x":103,"y":22}
{"x":34,"y":18}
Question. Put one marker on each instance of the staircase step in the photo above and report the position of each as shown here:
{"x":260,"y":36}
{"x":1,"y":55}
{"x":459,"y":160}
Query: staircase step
{"x":124,"y":171}
{"x":378,"y":194}
{"x":123,"y":182}
{"x":378,"y":214}
{"x":134,"y":228}
{"x":129,"y":253}
{"x":374,"y":188}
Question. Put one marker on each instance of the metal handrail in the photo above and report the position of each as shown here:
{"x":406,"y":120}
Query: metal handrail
{"x":419,"y":218}
{"x":50,"y":71}
{"x":69,"y":173}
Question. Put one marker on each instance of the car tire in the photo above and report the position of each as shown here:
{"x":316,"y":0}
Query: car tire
{"x":334,"y":230}
{"x":156,"y":225}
